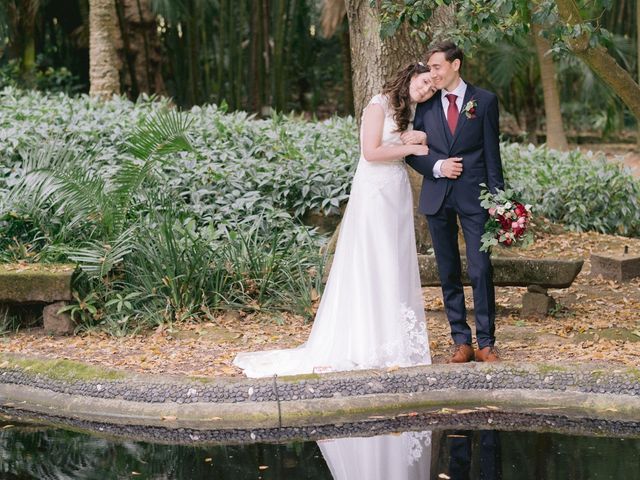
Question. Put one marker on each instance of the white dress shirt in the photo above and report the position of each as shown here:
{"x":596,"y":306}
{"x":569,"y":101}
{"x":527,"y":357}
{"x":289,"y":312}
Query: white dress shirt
{"x":459,"y":91}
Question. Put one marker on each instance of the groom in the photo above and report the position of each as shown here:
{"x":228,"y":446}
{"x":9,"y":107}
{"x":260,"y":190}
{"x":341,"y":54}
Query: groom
{"x":461,"y":124}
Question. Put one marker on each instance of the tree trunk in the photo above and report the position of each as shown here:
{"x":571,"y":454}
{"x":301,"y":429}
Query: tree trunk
{"x":556,"y":137}
{"x":266,"y":56}
{"x":638,"y":59}
{"x":143,"y":46}
{"x":193,"y":48}
{"x":22,"y":16}
{"x":280,"y":28}
{"x":104,"y":65}
{"x":599,"y":60}
{"x":374,"y":61}
{"x":347,"y":75}
{"x":256,"y":91}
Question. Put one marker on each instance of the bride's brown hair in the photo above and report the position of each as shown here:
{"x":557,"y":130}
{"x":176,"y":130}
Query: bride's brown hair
{"x":397,"y":91}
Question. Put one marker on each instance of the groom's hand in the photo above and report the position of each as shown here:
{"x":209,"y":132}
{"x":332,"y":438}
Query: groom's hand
{"x":451,"y":167}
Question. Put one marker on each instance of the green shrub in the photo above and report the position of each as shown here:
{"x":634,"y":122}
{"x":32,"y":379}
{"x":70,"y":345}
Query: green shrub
{"x":172,"y":215}
{"x":581,"y":191}
{"x":165,"y":228}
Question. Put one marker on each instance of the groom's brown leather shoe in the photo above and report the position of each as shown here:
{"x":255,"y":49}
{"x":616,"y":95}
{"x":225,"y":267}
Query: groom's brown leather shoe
{"x":487,"y":354}
{"x":462,"y":353}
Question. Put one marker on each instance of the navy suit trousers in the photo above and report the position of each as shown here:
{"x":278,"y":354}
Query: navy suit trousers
{"x":444,"y":234}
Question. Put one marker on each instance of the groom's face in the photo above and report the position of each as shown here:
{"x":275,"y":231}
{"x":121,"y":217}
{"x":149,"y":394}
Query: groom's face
{"x":444,"y":74}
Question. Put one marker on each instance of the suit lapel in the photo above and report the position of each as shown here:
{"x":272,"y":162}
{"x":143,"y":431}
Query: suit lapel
{"x":462,"y":118}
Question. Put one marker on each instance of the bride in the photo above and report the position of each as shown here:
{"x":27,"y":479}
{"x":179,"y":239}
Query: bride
{"x":371,"y":314}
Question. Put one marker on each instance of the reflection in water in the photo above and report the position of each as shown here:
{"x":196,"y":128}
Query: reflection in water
{"x":405,"y":456}
{"x":37,"y":452}
{"x":485,"y":450}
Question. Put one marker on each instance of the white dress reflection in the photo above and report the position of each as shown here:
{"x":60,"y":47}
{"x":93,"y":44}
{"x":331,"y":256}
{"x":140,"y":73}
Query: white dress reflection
{"x":404,"y":456}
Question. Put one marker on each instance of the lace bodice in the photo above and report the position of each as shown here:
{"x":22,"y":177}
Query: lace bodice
{"x":389,"y":134}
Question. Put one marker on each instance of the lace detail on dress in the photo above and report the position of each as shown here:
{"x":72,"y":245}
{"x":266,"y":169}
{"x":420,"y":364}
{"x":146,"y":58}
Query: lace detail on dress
{"x":417,"y":441}
{"x":418,"y":345}
{"x":376,"y":177}
{"x":412,"y":348}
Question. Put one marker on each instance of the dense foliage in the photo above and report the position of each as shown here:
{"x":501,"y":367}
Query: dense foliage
{"x":165,"y":233}
{"x":584,"y":192}
{"x":173,"y":215}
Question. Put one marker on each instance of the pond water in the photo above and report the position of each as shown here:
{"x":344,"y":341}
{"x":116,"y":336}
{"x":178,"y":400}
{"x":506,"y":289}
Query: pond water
{"x":32,"y":451}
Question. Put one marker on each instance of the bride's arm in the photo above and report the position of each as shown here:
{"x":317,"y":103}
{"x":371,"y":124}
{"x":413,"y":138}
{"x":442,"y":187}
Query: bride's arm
{"x":372,"y":149}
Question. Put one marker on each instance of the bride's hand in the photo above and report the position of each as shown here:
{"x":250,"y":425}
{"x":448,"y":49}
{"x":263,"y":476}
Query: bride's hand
{"x":421,"y":150}
{"x":414,"y":137}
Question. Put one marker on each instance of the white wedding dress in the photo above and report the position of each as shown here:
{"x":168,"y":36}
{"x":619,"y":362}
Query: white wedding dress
{"x":400,"y":456}
{"x":371,"y":314}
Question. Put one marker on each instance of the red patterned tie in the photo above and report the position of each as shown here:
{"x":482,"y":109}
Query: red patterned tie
{"x":452,"y":112}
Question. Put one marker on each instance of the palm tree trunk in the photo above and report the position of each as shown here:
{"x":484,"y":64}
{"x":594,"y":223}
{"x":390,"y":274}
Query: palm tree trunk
{"x":556,"y":137}
{"x":599,"y":60}
{"x":104,"y":65}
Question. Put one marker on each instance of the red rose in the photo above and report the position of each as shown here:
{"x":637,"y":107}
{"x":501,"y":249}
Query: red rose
{"x":507,"y":241}
{"x":505,"y":223}
{"x":520,"y":210}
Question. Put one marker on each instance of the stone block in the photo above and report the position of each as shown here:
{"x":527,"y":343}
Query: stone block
{"x":536,"y":304}
{"x":512,"y":271}
{"x":507,"y":271}
{"x":35,"y":283}
{"x":620,"y":268}
{"x":57,"y":323}
{"x":536,"y":289}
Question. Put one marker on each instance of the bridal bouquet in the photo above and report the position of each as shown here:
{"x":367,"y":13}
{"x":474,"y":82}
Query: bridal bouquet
{"x":509,"y":219}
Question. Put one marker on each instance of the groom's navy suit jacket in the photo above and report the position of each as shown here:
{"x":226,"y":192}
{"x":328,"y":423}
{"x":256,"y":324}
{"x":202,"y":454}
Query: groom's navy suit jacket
{"x":475,"y":139}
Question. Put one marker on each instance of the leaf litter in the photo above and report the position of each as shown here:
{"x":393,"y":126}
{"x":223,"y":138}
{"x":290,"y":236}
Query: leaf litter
{"x":596,"y":320}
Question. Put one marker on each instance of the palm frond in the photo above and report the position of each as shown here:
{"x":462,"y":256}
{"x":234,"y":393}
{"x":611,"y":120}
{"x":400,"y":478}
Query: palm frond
{"x":509,"y":59}
{"x":162,"y":134}
{"x":57,"y":176}
{"x":54,"y":154}
{"x":97,"y":259}
{"x":129,"y":177}
{"x":81,"y":195}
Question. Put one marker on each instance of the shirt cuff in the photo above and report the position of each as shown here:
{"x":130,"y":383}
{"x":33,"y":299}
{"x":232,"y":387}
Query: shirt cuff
{"x":437,"y":173}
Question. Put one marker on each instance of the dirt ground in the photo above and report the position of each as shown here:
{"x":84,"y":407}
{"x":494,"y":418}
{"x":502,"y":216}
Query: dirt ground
{"x":595,"y":320}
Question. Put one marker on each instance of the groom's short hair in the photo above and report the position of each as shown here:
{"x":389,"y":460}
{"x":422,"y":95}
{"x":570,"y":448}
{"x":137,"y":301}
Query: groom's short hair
{"x":451,"y":51}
